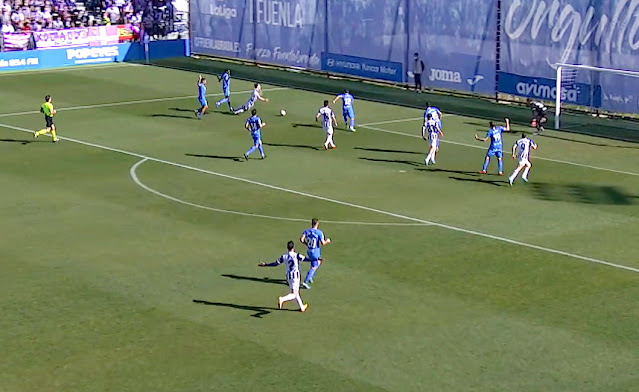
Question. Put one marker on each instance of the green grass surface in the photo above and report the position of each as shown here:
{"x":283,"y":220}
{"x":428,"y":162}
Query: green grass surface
{"x":462,"y":284}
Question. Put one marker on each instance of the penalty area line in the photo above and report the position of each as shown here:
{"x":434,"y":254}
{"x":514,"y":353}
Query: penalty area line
{"x":134,"y":176}
{"x":344,"y":203}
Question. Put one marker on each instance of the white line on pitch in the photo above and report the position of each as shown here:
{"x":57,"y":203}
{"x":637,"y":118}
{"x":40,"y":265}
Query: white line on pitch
{"x":484,"y":147}
{"x":74,"y":68}
{"x":344,"y":203}
{"x":398,"y":120}
{"x":102,"y":105}
{"x":136,"y":179}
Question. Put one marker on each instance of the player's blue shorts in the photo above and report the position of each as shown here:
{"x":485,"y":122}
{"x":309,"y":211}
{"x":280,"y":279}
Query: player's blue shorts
{"x":257,"y":138}
{"x":227,"y":92}
{"x":203,"y":101}
{"x":348,"y":112}
{"x":313,"y":255}
{"x":494,"y":152}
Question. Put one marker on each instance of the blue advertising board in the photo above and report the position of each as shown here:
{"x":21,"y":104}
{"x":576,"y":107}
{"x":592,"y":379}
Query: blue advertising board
{"x":50,"y":58}
{"x":364,"y":67}
{"x":536,"y":35}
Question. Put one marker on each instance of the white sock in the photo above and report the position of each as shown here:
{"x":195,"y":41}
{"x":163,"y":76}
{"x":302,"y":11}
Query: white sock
{"x":525,"y":175}
{"x":299,"y":300}
{"x":329,"y":140}
{"x":429,"y":157}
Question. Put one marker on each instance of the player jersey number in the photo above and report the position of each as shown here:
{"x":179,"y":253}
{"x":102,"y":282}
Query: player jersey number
{"x":311,"y":242}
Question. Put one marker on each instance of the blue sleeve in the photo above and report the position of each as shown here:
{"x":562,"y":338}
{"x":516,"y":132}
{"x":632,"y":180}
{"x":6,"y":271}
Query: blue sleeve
{"x":320,"y":235}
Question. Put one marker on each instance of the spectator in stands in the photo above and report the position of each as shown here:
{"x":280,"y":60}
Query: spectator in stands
{"x":7,"y":27}
{"x":58,"y":24}
{"x":112,"y":13}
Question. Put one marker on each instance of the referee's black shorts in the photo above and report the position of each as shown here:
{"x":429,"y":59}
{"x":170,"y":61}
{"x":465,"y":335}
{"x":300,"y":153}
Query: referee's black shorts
{"x":48,"y":121}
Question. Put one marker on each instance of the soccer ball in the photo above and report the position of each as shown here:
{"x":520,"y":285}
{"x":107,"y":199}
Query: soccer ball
{"x":283,"y":112}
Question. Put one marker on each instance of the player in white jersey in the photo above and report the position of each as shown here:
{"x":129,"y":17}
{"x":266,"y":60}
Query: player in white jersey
{"x":328,"y":122}
{"x":292,"y":260}
{"x":431,"y":132}
{"x":522,"y":149}
{"x":255,"y":96}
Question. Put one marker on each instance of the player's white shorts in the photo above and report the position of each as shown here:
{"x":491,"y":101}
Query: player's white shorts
{"x":434,"y":142}
{"x":329,"y":130}
{"x":523,"y":161}
{"x":293,"y":279}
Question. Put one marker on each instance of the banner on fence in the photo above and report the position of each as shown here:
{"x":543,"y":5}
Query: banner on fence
{"x":83,"y":36}
{"x":16,"y":41}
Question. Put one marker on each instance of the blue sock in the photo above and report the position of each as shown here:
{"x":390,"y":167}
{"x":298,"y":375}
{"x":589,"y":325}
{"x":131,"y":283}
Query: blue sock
{"x":250,"y":151}
{"x":500,"y":162}
{"x":486,"y":162}
{"x":310,"y":274}
{"x":221,"y":101}
{"x":261,"y":149}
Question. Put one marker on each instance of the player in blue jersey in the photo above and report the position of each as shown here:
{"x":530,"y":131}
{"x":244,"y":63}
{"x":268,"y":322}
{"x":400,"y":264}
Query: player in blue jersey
{"x":313,"y":238}
{"x":201,"y":96}
{"x":435,"y":112}
{"x":494,"y":134}
{"x":291,"y":260}
{"x":347,"y":109}
{"x":225,"y":78}
{"x":431,"y":132}
{"x":254,"y":125}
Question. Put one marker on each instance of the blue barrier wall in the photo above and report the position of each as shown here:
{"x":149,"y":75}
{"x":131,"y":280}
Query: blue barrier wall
{"x":457,"y":39}
{"x":51,"y":58}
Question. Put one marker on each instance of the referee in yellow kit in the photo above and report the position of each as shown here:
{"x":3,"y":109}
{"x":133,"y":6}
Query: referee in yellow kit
{"x":49,"y":112}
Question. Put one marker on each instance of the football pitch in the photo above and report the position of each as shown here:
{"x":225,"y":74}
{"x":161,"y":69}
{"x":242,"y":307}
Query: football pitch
{"x":130,"y":249}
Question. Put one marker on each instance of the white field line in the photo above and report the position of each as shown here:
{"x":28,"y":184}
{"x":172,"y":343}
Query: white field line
{"x":136,"y":179}
{"x":74,"y":68}
{"x":103,"y":105}
{"x":482,"y":146}
{"x":345,"y":203}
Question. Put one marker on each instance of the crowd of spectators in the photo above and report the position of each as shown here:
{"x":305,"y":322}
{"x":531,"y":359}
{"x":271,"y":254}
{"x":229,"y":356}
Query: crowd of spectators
{"x":155,"y":16}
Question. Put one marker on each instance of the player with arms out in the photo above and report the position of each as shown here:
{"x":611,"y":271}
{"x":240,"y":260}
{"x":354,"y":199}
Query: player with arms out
{"x":494,"y":134}
{"x":255,"y":96}
{"x":313,"y":238}
{"x":539,"y":111}
{"x":225,"y":78}
{"x":347,"y":109}
{"x":524,"y":145}
{"x":328,"y":121}
{"x":48,"y":111}
{"x":431,"y":132}
{"x":436,"y":114}
{"x":201,"y":96}
{"x":292,"y":261}
{"x":254,"y":125}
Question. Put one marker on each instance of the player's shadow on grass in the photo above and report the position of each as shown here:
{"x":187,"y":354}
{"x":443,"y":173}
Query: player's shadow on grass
{"x":580,"y":193}
{"x":386,"y":150}
{"x":259,"y":280}
{"x":306,"y":125}
{"x":480,"y":180}
{"x":438,"y":170}
{"x":411,"y":163}
{"x":230,"y":158}
{"x":293,"y":146}
{"x":259,"y":311}
{"x":193,"y":117}
{"x":21,"y":141}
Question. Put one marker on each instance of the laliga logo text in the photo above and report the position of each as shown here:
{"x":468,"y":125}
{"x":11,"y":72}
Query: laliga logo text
{"x":85,"y":53}
{"x":222,"y":10}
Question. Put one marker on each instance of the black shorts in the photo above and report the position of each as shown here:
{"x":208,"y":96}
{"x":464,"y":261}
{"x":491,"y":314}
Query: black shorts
{"x":48,"y":120}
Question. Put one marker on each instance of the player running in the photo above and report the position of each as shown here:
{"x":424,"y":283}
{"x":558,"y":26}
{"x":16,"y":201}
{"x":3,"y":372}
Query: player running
{"x":524,"y":145}
{"x":437,"y":116}
{"x":292,"y":260}
{"x":201,"y":88}
{"x":347,"y":109}
{"x":328,"y":121}
{"x":255,"y":96}
{"x":254,"y":125}
{"x":48,"y":111}
{"x":496,"y":144}
{"x":225,"y":78}
{"x":313,"y":238}
{"x":431,"y":132}
{"x":539,"y":111}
